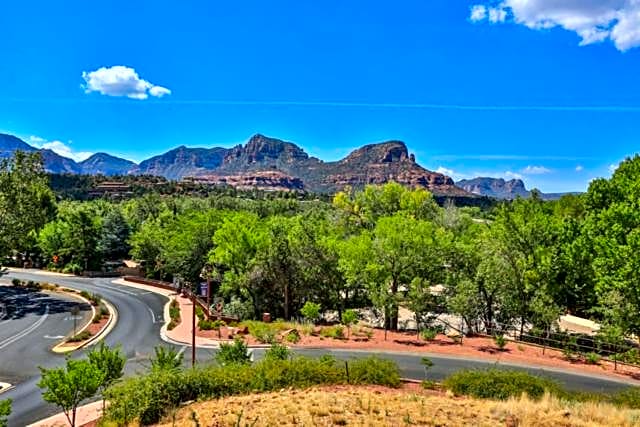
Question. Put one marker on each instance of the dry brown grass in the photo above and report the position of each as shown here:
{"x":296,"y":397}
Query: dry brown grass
{"x":377,"y":406}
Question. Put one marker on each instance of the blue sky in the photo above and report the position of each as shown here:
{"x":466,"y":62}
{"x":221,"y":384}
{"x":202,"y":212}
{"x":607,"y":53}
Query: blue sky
{"x":508,"y":88}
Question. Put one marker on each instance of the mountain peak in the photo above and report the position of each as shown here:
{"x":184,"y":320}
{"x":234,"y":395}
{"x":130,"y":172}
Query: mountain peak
{"x":382,"y":152}
{"x":495,"y":187}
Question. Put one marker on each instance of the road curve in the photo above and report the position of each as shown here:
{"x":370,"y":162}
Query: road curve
{"x":140,"y":315}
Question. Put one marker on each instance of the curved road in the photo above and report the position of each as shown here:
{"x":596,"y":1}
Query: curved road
{"x":140,"y":317}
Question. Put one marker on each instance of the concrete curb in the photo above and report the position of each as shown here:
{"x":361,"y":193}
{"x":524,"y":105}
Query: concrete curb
{"x":93,"y":313}
{"x":113,"y":318}
{"x":5,"y":387}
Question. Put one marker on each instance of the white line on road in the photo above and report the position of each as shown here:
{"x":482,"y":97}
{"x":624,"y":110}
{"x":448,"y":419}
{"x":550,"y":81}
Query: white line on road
{"x":119,"y":290}
{"x":181,"y":352}
{"x":153,"y":316}
{"x":27,"y":331}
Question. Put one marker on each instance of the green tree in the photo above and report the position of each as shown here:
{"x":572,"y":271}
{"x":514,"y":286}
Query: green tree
{"x":110,"y":361}
{"x":349,"y":318}
{"x":114,"y":236}
{"x":68,"y":387}
{"x":26,"y":201}
{"x":311,"y":311}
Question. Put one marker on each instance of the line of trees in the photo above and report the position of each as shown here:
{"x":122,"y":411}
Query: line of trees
{"x":524,"y":262}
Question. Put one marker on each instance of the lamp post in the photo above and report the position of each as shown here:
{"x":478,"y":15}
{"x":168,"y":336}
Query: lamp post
{"x":193,"y":329}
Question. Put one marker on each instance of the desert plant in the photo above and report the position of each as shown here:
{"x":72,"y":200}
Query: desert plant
{"x":335,"y":332}
{"x":592,"y":358}
{"x":218,"y":325}
{"x":373,"y":370}
{"x":429,"y":334}
{"x":293,"y":337}
{"x":498,"y":384}
{"x":166,"y":359}
{"x":236,"y":353}
{"x":82,"y":336}
{"x":278,"y":351}
{"x":500,"y":341}
{"x":16,"y":282}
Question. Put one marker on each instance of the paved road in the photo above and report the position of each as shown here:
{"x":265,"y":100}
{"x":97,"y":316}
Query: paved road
{"x":33,"y":322}
{"x":138,"y":329}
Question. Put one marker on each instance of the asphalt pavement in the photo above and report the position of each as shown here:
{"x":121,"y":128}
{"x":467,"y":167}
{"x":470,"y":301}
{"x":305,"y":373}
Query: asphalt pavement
{"x":137,"y":332}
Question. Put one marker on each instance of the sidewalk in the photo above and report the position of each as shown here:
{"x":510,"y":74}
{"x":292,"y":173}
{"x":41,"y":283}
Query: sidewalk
{"x":181,"y":334}
{"x":84,"y":415}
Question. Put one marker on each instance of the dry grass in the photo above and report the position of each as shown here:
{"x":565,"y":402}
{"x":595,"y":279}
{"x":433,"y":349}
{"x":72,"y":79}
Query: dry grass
{"x":377,"y":406}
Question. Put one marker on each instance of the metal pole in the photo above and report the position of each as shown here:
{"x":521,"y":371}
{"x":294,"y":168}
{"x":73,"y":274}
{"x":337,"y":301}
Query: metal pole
{"x":193,"y":330}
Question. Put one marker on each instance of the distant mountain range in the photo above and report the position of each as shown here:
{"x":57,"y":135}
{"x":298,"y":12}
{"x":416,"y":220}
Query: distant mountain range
{"x":265,"y":162}
{"x":500,"y":189}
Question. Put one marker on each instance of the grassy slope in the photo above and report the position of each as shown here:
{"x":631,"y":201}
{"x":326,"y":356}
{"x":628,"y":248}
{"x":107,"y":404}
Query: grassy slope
{"x":377,"y":406}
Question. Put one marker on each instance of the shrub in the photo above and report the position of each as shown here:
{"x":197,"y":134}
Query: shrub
{"x":498,"y":384}
{"x":263,"y":332}
{"x":278,"y":352}
{"x":16,"y":282}
{"x":166,"y":359}
{"x":500,"y":341}
{"x":205,"y":325}
{"x":104,"y":311}
{"x":146,"y":399}
{"x":335,"y":332}
{"x":82,"y":336}
{"x":311,"y":311}
{"x":238,"y":308}
{"x":5,"y":411}
{"x":429,"y":334}
{"x":236,"y":353}
{"x":293,"y":337}
{"x":97,"y":318}
{"x":373,"y":370}
{"x":199,"y":312}
{"x":72,"y":268}
{"x":174,"y":314}
{"x":592,"y":358}
{"x":629,"y":398}
{"x":33,"y":285}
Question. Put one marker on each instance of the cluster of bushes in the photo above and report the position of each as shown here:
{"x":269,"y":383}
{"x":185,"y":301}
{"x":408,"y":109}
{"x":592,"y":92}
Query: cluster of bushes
{"x":335,"y":332}
{"x":101,"y":312}
{"x":174,"y":314}
{"x":94,"y":299}
{"x":502,"y":384}
{"x":35,"y":286}
{"x":5,"y":411}
{"x":82,"y":336}
{"x":147,"y":398}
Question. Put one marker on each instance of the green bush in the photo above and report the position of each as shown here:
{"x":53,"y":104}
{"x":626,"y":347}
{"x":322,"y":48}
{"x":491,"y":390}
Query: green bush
{"x":263,"y":332}
{"x":82,"y":336}
{"x":205,"y":325}
{"x":335,"y":332}
{"x":174,"y":314}
{"x":629,"y":398}
{"x":5,"y":411}
{"x":166,"y":359}
{"x":72,"y":268}
{"x":199,"y":312}
{"x":293,"y":337}
{"x":429,"y":334}
{"x":373,"y":370}
{"x":104,"y":311}
{"x":97,"y":318}
{"x":16,"y":282}
{"x":146,"y":399}
{"x":500,"y":341}
{"x":278,"y":352}
{"x":236,"y":353}
{"x":311,"y":311}
{"x":498,"y":384}
{"x":592,"y":358}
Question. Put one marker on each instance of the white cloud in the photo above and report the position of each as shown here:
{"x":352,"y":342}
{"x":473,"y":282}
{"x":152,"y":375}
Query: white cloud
{"x":613,"y":167}
{"x":478,"y":13}
{"x":579,"y":168}
{"x":513,"y":175}
{"x":60,"y":148}
{"x":457,"y":176}
{"x":592,"y":20}
{"x":535,"y":170}
{"x":121,"y":81}
{"x":497,"y":15}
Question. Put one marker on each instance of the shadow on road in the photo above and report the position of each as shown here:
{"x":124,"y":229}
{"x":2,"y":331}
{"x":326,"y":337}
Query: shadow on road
{"x":20,"y":302}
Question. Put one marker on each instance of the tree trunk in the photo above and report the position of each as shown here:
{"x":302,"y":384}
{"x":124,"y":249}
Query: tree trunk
{"x":286,"y":300}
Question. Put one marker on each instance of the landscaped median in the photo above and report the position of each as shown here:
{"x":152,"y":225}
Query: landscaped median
{"x":103,"y":316}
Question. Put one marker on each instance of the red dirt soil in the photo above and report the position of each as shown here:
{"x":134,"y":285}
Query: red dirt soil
{"x":474,"y":347}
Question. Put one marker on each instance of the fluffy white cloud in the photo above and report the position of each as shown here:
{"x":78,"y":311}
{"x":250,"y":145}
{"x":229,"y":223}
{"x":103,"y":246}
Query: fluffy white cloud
{"x":121,"y":81}
{"x":535,"y":170}
{"x":512,"y":175}
{"x":478,"y":13}
{"x":457,"y":176}
{"x":579,"y":168}
{"x":592,"y":20}
{"x":60,"y":148}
